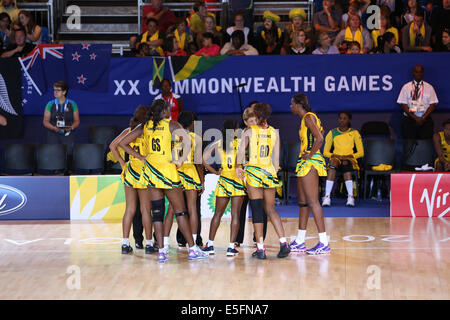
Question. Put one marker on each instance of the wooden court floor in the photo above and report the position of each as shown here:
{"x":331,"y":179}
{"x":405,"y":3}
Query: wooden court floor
{"x":372,"y":258}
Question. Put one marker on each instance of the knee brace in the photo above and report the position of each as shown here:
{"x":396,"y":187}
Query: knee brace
{"x":158,"y":210}
{"x":346,"y":166}
{"x":181,"y":214}
{"x":302,"y":205}
{"x":257,"y":207}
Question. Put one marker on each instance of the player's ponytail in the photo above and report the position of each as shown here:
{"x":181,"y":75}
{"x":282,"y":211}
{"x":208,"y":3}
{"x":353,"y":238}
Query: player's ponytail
{"x":156,"y":111}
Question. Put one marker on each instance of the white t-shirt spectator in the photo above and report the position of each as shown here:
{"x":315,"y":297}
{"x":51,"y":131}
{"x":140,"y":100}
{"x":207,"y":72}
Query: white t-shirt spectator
{"x":250,"y":50}
{"x":230,"y":30}
{"x":331,"y":50}
{"x":420,"y":103}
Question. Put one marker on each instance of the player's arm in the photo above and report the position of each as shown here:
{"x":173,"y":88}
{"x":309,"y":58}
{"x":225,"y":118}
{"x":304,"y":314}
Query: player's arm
{"x":177,"y":129}
{"x":130,"y":137}
{"x":240,"y":156}
{"x":198,"y":159}
{"x":115,"y":144}
{"x":276,"y":151}
{"x":209,"y":152}
{"x":311,"y":123}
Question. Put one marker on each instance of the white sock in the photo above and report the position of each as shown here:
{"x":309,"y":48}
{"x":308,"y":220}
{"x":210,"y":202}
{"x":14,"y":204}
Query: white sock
{"x":300,"y":236}
{"x":282,"y":239}
{"x":166,"y":241}
{"x":161,"y":250}
{"x":349,"y":186}
{"x":210,"y":243}
{"x":126,"y":241}
{"x":231,"y":245}
{"x":194,"y":247}
{"x":328,"y":188}
{"x":149,"y":242}
{"x":260,"y":246}
{"x":323,"y":238}
{"x":195,"y":237}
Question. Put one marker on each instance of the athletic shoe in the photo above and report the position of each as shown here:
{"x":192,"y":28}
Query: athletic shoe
{"x":162,"y":257}
{"x":197,"y":254}
{"x":296,"y":247}
{"x":181,"y":246}
{"x":350,"y":201}
{"x":209,"y":250}
{"x":320,"y":248}
{"x":126,"y":249}
{"x":260,"y":253}
{"x":237,"y":244}
{"x":284,"y":250}
{"x":326,"y":201}
{"x":150,"y":249}
{"x":231,"y":252}
{"x":139,"y":245}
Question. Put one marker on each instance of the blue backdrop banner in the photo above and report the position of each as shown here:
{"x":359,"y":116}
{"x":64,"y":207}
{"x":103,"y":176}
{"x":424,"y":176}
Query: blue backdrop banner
{"x":334,"y":82}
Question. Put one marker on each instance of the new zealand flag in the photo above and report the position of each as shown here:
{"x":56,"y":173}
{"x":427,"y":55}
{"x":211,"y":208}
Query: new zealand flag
{"x":87,"y":66}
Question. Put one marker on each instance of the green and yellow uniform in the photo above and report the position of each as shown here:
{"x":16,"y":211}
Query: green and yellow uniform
{"x":159,"y":171}
{"x":190,"y":179}
{"x":307,"y":141}
{"x":343,"y":144}
{"x":132,"y":174}
{"x":229,"y":184}
{"x":445,"y":147}
{"x":260,"y":171}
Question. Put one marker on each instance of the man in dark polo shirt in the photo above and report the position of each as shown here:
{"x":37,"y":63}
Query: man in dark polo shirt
{"x":20,"y":48}
{"x":165,"y":18}
{"x":61,"y":117}
{"x":328,"y":20}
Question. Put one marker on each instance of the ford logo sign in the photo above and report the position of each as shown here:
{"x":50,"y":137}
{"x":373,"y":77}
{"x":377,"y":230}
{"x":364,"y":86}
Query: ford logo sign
{"x":11,"y":199}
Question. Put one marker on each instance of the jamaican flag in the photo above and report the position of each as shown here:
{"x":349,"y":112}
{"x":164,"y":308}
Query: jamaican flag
{"x":190,"y":67}
{"x":158,"y":71}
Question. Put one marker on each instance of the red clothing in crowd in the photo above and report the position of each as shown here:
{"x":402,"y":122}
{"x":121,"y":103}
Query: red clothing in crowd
{"x":173,"y":103}
{"x":165,"y":21}
{"x":179,"y":53}
{"x":212,"y":51}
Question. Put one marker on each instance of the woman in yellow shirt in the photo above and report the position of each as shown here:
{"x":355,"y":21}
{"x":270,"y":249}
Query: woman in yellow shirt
{"x":385,"y":26}
{"x":442,"y":146}
{"x":343,"y":140}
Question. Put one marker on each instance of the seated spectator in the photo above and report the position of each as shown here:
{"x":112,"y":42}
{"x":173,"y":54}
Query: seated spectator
{"x":153,"y":38}
{"x":198,"y":18}
{"x":416,"y":36}
{"x":10,"y":7}
{"x":246,"y":8}
{"x":34,"y":32}
{"x":408,"y":16}
{"x":354,"y":48}
{"x":324,"y":45}
{"x":239,"y":25}
{"x":237,"y":46}
{"x":143,"y":50}
{"x":163,"y":15}
{"x":445,"y":47}
{"x":182,"y":34}
{"x":298,"y":17}
{"x":5,"y":30}
{"x":270,"y":46}
{"x":133,"y":47}
{"x":172,"y":48}
{"x":385,"y":26}
{"x":354,"y":32}
{"x":440,"y":20}
{"x":209,"y":49}
{"x":270,"y":21}
{"x":192,"y":48}
{"x":442,"y":146}
{"x":343,"y":139}
{"x":20,"y":48}
{"x":216,"y":31}
{"x":328,"y":20}
{"x":355,"y":7}
{"x":387,"y":44}
{"x":428,"y":9}
{"x":298,"y":45}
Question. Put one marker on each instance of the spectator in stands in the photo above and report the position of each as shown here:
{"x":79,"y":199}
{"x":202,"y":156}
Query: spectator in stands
{"x":408,"y":16}
{"x":298,"y":45}
{"x":298,"y":17}
{"x":355,"y":7}
{"x":133,"y":47}
{"x":153,"y":38}
{"x":172,"y":48}
{"x":198,"y":18}
{"x":324,"y":45}
{"x":237,"y":46}
{"x":244,"y":7}
{"x":418,"y":100}
{"x":385,"y":26}
{"x":192,"y":48}
{"x":387,"y":44}
{"x":173,"y":99}
{"x":445,"y":47}
{"x":182,"y":34}
{"x":270,"y":21}
{"x":143,"y":50}
{"x":10,"y":7}
{"x":270,"y":46}
{"x":209,"y":48}
{"x":217,"y":32}
{"x":164,"y":16}
{"x":442,"y":146}
{"x":61,"y":117}
{"x":340,"y":145}
{"x":354,"y":48}
{"x":354,"y":32}
{"x":428,"y":9}
{"x":239,"y":20}
{"x":416,"y":36}
{"x":34,"y":32}
{"x":6,"y":34}
{"x":3,"y":121}
{"x":440,"y":20}
{"x":20,"y":48}
{"x":327,"y":20}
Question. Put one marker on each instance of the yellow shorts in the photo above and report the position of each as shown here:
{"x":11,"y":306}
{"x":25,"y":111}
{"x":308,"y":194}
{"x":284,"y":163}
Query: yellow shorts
{"x":161,"y":175}
{"x":260,"y":178}
{"x":190,"y":180}
{"x":229,"y":186}
{"x":132,"y":175}
{"x":304,"y":166}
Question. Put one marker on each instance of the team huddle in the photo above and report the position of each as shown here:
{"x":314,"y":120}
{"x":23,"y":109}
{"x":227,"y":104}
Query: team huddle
{"x":166,"y":160}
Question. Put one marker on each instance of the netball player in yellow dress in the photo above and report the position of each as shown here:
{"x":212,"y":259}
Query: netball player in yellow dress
{"x":310,"y":165}
{"x":442,"y":147}
{"x":260,"y":175}
{"x":160,"y":172}
{"x":135,"y":186}
{"x":228,"y":187}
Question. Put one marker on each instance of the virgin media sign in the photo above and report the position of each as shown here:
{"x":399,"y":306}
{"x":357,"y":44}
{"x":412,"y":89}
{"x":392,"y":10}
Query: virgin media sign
{"x":420,"y":194}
